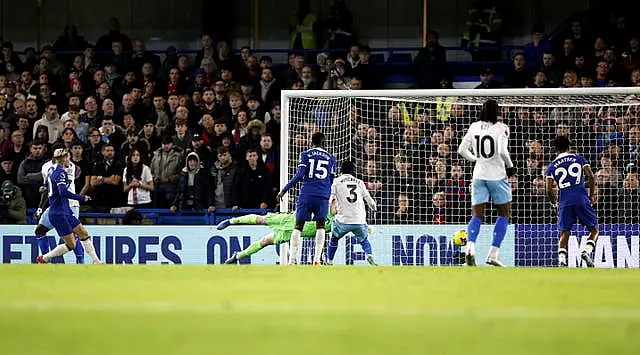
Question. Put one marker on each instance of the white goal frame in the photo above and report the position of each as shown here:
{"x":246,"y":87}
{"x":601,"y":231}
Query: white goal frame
{"x":405,"y":94}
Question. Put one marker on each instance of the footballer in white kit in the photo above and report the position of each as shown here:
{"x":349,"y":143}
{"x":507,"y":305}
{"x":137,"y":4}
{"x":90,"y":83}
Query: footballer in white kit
{"x":348,"y":197}
{"x":44,"y":224}
{"x":487,"y":144}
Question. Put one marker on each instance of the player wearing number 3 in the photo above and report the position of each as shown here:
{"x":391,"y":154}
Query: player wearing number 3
{"x":487,"y":144}
{"x":316,"y":170}
{"x":568,"y":171}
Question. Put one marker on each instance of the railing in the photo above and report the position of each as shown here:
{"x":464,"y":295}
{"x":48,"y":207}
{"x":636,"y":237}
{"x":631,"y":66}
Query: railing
{"x":165,"y":217}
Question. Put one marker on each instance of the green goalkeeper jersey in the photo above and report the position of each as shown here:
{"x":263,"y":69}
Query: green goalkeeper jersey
{"x":284,"y":223}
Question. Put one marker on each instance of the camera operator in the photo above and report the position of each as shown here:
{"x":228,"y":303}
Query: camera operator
{"x":13,"y":208}
{"x":336,"y":78}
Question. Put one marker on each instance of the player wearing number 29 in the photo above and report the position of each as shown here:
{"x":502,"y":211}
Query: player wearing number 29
{"x":316,"y":171}
{"x":60,"y":215}
{"x":348,"y":195}
{"x":487,"y":144}
{"x":568,"y":171}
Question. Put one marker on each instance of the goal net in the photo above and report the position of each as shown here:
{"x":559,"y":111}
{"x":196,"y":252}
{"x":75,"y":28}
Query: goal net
{"x":404,"y":144}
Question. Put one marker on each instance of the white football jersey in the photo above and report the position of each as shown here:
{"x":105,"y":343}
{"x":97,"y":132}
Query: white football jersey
{"x":489,"y":144}
{"x":47,"y":168}
{"x":351,"y":194}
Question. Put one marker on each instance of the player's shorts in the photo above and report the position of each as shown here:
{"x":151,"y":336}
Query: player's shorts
{"x":339,"y":230}
{"x":44,"y":219}
{"x":63,"y":224}
{"x":498,"y":190}
{"x":583,"y":213}
{"x":313,"y":209}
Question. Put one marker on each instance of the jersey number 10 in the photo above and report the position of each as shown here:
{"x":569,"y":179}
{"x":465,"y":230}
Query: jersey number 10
{"x":318,"y":169}
{"x":485,"y":146}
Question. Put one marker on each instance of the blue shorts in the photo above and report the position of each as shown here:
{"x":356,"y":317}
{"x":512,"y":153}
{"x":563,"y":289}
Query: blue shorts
{"x":498,"y":190}
{"x":339,"y":230}
{"x":312,"y":209}
{"x":45,"y":222}
{"x":63,"y":224}
{"x":583,"y":213}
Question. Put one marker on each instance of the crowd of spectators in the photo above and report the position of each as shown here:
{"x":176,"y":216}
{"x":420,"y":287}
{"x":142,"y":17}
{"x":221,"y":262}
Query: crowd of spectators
{"x":202,"y":132}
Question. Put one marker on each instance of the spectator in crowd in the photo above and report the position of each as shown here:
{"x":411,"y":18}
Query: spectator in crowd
{"x":30,"y":173}
{"x":13,"y":208}
{"x":137,"y":181}
{"x":487,"y":81}
{"x":430,"y":62}
{"x":52,"y":121}
{"x":164,"y":169}
{"x":253,"y":185}
{"x":194,"y":187}
{"x":106,"y":180}
{"x":535,"y":50}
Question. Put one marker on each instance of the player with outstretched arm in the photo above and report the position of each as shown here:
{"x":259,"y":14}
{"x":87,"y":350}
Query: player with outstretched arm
{"x":60,"y":214}
{"x":348,"y":196}
{"x":568,"y":171}
{"x":487,"y":144}
{"x":316,"y":171}
{"x":282,"y":225}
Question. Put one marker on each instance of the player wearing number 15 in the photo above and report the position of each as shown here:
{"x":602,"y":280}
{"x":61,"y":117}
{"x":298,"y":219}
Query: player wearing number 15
{"x":568,"y":171}
{"x":487,"y":144}
{"x":316,"y":171}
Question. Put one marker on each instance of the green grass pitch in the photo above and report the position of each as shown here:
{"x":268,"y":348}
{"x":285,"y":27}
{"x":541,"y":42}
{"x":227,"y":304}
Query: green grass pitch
{"x":162,"y":309}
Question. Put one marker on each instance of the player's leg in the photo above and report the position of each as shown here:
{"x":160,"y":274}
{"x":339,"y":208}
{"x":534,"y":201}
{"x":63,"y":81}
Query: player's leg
{"x":82,"y":233}
{"x":587,"y":216}
{"x":252,"y":248}
{"x":79,"y":249}
{"x":566,"y":217}
{"x":64,"y":229}
{"x":361,"y":232}
{"x":43,"y":227}
{"x":479,"y":197}
{"x":303,"y":214}
{"x":250,"y":219}
{"x":500,"y":191}
{"x":337,"y":232}
{"x":320,"y":215}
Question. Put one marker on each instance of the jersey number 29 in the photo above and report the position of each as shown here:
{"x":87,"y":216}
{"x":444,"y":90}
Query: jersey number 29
{"x":574,"y":170}
{"x":318,"y":169}
{"x":485,"y":146}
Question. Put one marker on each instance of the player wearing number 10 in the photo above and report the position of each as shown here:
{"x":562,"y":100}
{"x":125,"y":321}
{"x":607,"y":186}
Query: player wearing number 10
{"x":316,"y":170}
{"x":487,"y":144}
{"x":568,"y":171}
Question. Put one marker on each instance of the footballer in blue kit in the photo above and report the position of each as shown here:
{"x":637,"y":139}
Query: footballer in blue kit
{"x":60,"y":214}
{"x":316,"y":171}
{"x":571,"y":199}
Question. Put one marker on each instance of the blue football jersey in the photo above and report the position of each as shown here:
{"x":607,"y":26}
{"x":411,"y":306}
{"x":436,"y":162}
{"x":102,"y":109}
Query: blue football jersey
{"x":316,"y":171}
{"x":568,"y":172}
{"x":58,"y":204}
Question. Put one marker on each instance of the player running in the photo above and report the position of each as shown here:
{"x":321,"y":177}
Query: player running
{"x":487,"y":144}
{"x":568,"y":171}
{"x":348,"y":195}
{"x":282,"y":224}
{"x":316,"y":170}
{"x":45,"y":243}
{"x":60,"y":214}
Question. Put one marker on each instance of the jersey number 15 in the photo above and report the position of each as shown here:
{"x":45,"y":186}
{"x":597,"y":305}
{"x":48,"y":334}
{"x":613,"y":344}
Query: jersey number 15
{"x":318,"y":169}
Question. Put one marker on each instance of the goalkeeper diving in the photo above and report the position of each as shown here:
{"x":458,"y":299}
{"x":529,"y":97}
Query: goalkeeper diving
{"x":282,"y":225}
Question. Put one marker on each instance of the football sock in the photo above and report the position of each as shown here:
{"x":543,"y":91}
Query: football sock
{"x":493,"y":252}
{"x":332,"y":248}
{"x":366,"y":246}
{"x":317,"y":256}
{"x":284,"y":253}
{"x":474,"y":229}
{"x":88,"y":247}
{"x":295,"y":243}
{"x":59,"y":250}
{"x":43,"y":244}
{"x":499,"y":231}
{"x":247,"y":219}
{"x":79,"y":252}
{"x":250,"y":250}
{"x":562,"y":255}
{"x":590,"y":246}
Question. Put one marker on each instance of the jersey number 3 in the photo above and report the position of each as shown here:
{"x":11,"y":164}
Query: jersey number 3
{"x":485,"y":146}
{"x":353,"y":197}
{"x":318,"y":169}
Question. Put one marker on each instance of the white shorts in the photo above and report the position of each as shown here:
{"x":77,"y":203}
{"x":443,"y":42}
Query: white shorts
{"x":44,"y":219}
{"x":498,"y":190}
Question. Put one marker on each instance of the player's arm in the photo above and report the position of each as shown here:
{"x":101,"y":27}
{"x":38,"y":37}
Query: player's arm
{"x":64,"y":192}
{"x":300,"y":173}
{"x":464,"y":149}
{"x":333,"y":203}
{"x":44,"y":201}
{"x":367,"y":196}
{"x":503,"y":149}
{"x":551,"y":191}
{"x":591,"y":182}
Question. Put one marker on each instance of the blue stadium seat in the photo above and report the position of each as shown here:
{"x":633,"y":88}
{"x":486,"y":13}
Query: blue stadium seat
{"x":377,"y":58}
{"x":400,"y":58}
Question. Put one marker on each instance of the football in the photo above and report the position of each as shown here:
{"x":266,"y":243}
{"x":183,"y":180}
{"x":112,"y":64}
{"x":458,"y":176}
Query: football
{"x":460,"y":237}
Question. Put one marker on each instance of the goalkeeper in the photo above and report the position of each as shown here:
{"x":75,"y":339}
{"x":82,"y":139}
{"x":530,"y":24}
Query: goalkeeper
{"x":282,"y":225}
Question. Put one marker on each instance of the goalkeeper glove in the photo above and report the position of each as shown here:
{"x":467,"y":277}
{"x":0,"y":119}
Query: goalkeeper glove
{"x":511,"y":171}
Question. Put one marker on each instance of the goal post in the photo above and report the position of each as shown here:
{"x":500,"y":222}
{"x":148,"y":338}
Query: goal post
{"x":404,"y":144}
